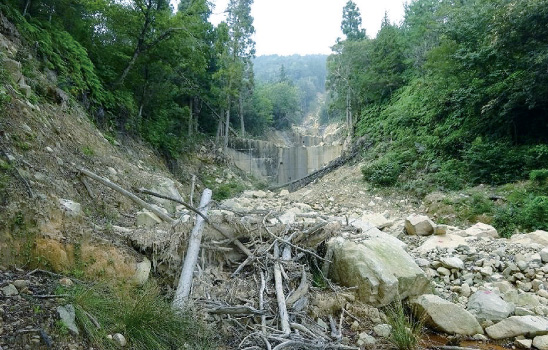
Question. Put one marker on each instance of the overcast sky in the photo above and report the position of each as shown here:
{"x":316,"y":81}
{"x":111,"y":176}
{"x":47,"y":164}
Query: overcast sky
{"x":287,"y":27}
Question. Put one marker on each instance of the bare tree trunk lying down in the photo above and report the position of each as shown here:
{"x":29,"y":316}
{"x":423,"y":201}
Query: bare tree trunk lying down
{"x":185,"y":281}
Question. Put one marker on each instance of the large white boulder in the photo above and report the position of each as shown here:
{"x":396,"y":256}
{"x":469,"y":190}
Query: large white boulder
{"x":487,"y":305}
{"x":445,"y":316}
{"x":518,"y":325}
{"x":380,"y":269}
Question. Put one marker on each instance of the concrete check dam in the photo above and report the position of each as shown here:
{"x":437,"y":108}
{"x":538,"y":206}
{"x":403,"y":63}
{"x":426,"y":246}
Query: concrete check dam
{"x":287,"y":156}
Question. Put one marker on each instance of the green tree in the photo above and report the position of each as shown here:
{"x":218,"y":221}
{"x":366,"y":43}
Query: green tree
{"x":351,"y":22}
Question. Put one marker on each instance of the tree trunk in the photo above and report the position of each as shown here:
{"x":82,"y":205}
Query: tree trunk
{"x":185,"y":281}
{"x":26,"y":8}
{"x":227,"y":127}
{"x":191,"y":119}
{"x":242,"y":116}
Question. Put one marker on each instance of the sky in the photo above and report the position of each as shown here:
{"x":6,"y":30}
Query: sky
{"x":303,"y":27}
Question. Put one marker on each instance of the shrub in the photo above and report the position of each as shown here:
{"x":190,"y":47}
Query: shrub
{"x":539,"y":176}
{"x":535,"y":213}
{"x":142,"y":315}
{"x":383,"y":171}
{"x":406,"y":331}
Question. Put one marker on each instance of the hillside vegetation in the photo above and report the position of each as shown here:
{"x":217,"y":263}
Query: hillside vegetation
{"x":455,"y":95}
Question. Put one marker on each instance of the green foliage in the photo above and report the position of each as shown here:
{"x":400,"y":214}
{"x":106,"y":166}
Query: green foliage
{"x":143,"y":315}
{"x":406,"y":331}
{"x":463,"y":81}
{"x":539,"y":176}
{"x":88,"y":151}
{"x":383,"y":171}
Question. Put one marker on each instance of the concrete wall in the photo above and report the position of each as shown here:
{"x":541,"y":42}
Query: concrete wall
{"x":277,"y":163}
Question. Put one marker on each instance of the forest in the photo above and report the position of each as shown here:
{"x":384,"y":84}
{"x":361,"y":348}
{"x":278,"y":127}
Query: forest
{"x":144,"y":69}
{"x":455,"y":94}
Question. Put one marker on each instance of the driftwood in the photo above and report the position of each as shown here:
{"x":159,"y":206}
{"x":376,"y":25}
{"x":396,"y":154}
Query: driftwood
{"x":185,"y":281}
{"x":127,"y":194}
{"x":235,"y":310}
{"x":282,"y":308}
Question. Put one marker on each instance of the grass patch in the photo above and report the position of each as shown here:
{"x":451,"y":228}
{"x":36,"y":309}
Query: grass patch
{"x":142,"y":315}
{"x":406,"y":330}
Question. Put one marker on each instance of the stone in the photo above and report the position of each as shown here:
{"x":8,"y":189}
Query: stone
{"x":536,"y":238}
{"x":370,"y":231}
{"x":284,"y":193}
{"x":376,"y":219}
{"x":68,"y":318}
{"x":445,"y":316}
{"x":366,"y":340}
{"x":66,"y":282}
{"x":452,"y":263}
{"x":514,"y":326}
{"x":167,"y":187}
{"x":13,"y":68}
{"x":21,"y":284}
{"x":383,"y":330}
{"x":522,"y":311}
{"x":544,"y":255}
{"x":381,"y":270}
{"x":419,"y":225}
{"x":119,"y":339}
{"x":449,"y":241}
{"x":541,"y":342}
{"x":142,"y":272}
{"x":487,"y":305}
{"x":9,"y":290}
{"x":523,"y":343}
{"x":480,"y":230}
{"x":146,"y":218}
{"x":70,"y":208}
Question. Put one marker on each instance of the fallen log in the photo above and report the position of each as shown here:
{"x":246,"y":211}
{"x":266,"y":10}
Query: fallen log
{"x":127,"y":194}
{"x":282,"y":308}
{"x":185,"y":281}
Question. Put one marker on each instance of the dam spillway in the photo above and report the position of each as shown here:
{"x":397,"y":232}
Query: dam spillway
{"x":289,"y":156}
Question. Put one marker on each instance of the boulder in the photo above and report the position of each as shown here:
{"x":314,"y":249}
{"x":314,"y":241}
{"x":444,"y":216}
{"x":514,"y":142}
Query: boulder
{"x":445,"y":316}
{"x":165,"y":186}
{"x":147,"y":219}
{"x":443,"y":241}
{"x":523,"y":343}
{"x":480,"y":230}
{"x":452,"y":262}
{"x":544,"y":255}
{"x":487,"y":305}
{"x":380,"y":269}
{"x":70,"y":208}
{"x":539,"y":238}
{"x":518,"y":325}
{"x":541,"y":342}
{"x":142,"y":272}
{"x":376,"y":219}
{"x":9,"y":290}
{"x":370,"y":231}
{"x":419,"y":225}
